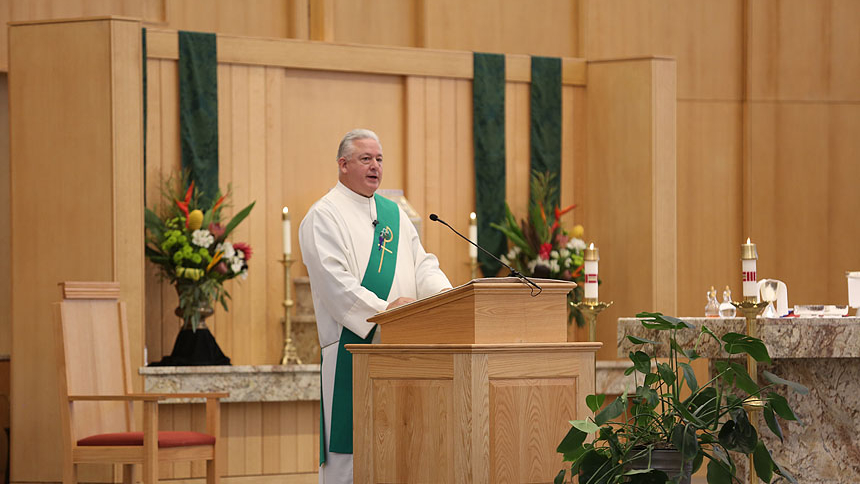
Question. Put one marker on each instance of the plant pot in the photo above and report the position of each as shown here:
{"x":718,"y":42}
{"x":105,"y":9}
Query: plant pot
{"x":194,"y":348}
{"x":666,"y":460}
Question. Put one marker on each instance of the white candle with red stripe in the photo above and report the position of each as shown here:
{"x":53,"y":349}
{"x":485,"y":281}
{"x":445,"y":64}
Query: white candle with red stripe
{"x":591,"y":257}
{"x":749,"y":256}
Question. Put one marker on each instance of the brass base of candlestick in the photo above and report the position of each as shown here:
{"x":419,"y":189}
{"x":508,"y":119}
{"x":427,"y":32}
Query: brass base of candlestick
{"x":290,"y":352}
{"x":751,"y":307}
{"x":590,"y":308}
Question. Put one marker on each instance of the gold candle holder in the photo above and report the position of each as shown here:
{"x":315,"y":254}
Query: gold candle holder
{"x":590,"y":308}
{"x":290,"y":353}
{"x":751,"y":307}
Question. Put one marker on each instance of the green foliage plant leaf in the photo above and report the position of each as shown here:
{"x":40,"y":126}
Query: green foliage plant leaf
{"x":771,"y":421}
{"x":697,"y":461}
{"x":684,"y":440}
{"x":718,"y":474}
{"x":690,"y":376}
{"x":780,"y":405}
{"x":611,"y":411}
{"x":780,"y":381}
{"x":736,"y":343}
{"x":738,"y":434}
{"x":237,"y":219}
{"x":573,"y":440}
{"x":742,"y":378}
{"x":594,"y":402}
{"x":651,"y":378}
{"x":666,"y":373}
{"x":641,"y":361}
{"x":594,"y":468}
{"x":586,"y":426}
{"x":559,"y":478}
{"x":641,"y":341}
{"x":763,"y":462}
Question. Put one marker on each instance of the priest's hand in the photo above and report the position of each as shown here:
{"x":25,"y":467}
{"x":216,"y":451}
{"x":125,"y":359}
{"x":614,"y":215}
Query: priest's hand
{"x":399,"y":302}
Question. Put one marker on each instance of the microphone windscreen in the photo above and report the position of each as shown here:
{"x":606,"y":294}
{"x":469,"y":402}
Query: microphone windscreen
{"x":433,"y":217}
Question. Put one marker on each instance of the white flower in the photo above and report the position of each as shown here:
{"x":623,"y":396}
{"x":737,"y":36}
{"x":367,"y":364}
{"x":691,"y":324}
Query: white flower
{"x":532,"y":264}
{"x":202,"y":238}
{"x":236,"y":264}
{"x":244,"y":275}
{"x":227,"y":249}
{"x":554,"y":267}
{"x":553,"y":254}
{"x":576,"y":245}
{"x":564,"y":253}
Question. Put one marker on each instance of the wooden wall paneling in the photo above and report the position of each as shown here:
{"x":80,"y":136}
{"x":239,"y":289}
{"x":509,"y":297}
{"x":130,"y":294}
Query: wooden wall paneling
{"x":453,"y":248}
{"x":413,"y":186}
{"x":307,"y":447}
{"x":263,"y":18}
{"x":254,"y":438}
{"x":464,"y":175}
{"x":254,"y":288}
{"x":270,"y":441}
{"x":321,"y":20}
{"x":165,"y":422}
{"x":543,"y":27}
{"x":235,"y":430}
{"x":705,"y":37}
{"x":181,"y":421}
{"x":382,"y":22}
{"x":40,"y":135}
{"x":198,"y":424}
{"x":272,"y":210}
{"x":806,"y":145}
{"x":4,"y":414}
{"x":709,"y":201}
{"x":804,"y":50}
{"x":630,"y":175}
{"x":432,"y":142}
{"x":5,"y":235}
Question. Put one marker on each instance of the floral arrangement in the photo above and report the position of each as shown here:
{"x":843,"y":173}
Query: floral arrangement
{"x":540,"y":246}
{"x":189,"y":245}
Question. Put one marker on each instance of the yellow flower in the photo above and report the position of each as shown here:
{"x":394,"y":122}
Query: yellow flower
{"x":577,"y":231}
{"x":195,"y":219}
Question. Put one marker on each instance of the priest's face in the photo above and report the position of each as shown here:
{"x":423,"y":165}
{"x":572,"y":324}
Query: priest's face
{"x":361,"y":169}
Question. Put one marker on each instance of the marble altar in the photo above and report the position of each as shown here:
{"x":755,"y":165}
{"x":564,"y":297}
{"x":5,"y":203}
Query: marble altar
{"x":821,"y":353}
{"x":264,"y":383}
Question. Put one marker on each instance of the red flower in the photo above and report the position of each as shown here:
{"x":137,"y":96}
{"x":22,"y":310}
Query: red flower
{"x":545,"y":249}
{"x":184,"y":204}
{"x":216,"y":230}
{"x":245,"y":248}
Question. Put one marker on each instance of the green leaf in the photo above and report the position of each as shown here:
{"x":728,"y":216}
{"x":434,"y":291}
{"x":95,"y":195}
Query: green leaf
{"x":641,"y":341}
{"x":763,"y":462}
{"x":559,"y":478}
{"x":738,"y":434}
{"x":641,"y":361}
{"x":690,"y":376}
{"x":742,"y":378}
{"x":651,"y":378}
{"x":629,"y":371}
{"x":697,"y":461}
{"x":684,"y":439}
{"x":718,"y":473}
{"x":237,"y":219}
{"x":736,"y":343}
{"x":703,"y":404}
{"x":780,"y":406}
{"x":586,"y":426}
{"x":772,"y":423}
{"x":594,"y":467}
{"x":613,"y":410}
{"x":784,"y":473}
{"x":573,"y":440}
{"x":648,"y":396}
{"x":594,"y":402}
{"x":779,"y":381}
{"x":666,"y":373}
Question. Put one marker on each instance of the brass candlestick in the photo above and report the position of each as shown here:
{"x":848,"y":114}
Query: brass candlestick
{"x":751,"y":307}
{"x":590,"y":308}
{"x":290,"y":353}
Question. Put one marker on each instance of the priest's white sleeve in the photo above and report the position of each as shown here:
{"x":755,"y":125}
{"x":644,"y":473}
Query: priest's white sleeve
{"x":429,"y":278}
{"x":324,"y":249}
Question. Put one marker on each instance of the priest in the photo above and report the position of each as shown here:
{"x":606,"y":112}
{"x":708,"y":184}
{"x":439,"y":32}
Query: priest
{"x":363,"y":256}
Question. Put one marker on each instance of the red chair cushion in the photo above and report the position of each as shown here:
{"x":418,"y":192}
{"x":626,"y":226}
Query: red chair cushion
{"x":165,"y":439}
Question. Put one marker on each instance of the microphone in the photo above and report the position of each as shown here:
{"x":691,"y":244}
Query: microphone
{"x":514,"y":272}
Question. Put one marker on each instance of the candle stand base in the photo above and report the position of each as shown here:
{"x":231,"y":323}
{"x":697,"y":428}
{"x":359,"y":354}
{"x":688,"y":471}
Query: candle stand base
{"x":751,"y":307}
{"x":590,"y":309}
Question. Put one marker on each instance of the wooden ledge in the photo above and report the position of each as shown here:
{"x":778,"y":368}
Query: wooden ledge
{"x":479,"y":348}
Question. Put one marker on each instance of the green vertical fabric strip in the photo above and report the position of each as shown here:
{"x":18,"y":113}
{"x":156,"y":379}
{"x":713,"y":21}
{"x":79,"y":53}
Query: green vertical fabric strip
{"x":546,"y":119}
{"x":198,"y":111}
{"x":489,"y":139}
{"x":143,"y":74}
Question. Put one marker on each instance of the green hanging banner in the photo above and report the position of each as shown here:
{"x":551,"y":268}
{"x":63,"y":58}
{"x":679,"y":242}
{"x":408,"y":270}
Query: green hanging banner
{"x":198,"y":111}
{"x":489,"y":139}
{"x":545,"y":133}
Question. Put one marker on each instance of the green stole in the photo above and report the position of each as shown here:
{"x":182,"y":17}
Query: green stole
{"x":378,"y":278}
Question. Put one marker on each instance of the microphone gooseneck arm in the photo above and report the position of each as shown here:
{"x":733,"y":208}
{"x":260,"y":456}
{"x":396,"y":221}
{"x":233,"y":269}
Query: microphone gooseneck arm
{"x":514,"y":272}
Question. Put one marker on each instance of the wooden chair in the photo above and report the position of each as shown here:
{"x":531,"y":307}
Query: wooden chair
{"x":96,"y":397}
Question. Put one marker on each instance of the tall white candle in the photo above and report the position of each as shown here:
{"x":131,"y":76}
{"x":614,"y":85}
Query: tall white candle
{"x":592,"y":255}
{"x":473,"y":235}
{"x":749,"y":255}
{"x":287,"y":231}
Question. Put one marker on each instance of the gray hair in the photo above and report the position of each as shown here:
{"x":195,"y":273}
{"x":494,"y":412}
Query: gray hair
{"x":345,"y":147}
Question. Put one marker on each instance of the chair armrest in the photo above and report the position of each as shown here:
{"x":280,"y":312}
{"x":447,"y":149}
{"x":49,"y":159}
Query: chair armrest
{"x":163,"y":396}
{"x":121,"y":398}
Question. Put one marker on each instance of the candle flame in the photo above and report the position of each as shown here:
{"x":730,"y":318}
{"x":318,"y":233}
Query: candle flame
{"x":286,"y":213}
{"x":591,"y":246}
{"x":748,"y":241}
{"x":473,"y":216}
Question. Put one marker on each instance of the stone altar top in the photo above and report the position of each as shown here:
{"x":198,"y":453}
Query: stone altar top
{"x":263,"y":383}
{"x":837,"y":337}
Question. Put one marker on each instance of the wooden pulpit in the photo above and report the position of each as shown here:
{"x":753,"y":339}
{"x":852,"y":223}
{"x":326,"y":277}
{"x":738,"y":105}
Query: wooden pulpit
{"x":474,"y":385}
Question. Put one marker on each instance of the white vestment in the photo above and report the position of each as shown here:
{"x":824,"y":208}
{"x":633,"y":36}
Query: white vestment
{"x":336,"y":237}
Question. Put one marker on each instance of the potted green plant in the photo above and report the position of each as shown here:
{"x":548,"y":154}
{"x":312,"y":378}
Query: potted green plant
{"x":711,"y":423}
